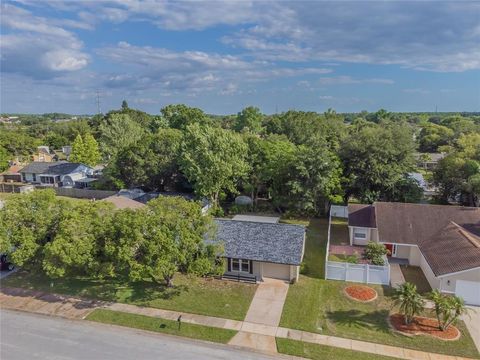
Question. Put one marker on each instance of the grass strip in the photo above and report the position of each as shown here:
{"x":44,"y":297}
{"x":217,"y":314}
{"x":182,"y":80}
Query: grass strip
{"x":161,"y":325}
{"x":316,"y":351}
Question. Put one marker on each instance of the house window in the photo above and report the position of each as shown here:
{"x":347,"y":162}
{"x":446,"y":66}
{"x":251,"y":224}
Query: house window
{"x":240,"y":265}
{"x":34,"y":177}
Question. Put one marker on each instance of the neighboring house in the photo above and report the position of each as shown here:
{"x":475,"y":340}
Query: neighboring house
{"x":428,"y":189}
{"x":255,"y":249}
{"x":61,"y":173}
{"x":122,"y":202}
{"x":428,"y":161}
{"x":444,"y":241}
{"x":43,"y":154}
{"x":12,"y":174}
{"x":67,"y":150}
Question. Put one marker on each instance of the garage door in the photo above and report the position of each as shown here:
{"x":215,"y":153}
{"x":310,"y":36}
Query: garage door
{"x":469,"y":291}
{"x":276,"y":271}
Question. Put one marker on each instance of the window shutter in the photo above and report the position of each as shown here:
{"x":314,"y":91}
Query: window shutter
{"x":251,"y":267}
{"x":229,"y":264}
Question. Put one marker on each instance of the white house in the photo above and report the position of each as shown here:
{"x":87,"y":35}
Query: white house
{"x":60,"y":173}
{"x":444,"y":241}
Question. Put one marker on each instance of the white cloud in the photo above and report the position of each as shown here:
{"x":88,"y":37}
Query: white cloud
{"x":38,"y":47}
{"x":348,"y":80}
{"x":192,"y":71}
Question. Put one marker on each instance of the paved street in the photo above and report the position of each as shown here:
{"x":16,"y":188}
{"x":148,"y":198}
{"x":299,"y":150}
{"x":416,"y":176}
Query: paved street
{"x":30,"y":336}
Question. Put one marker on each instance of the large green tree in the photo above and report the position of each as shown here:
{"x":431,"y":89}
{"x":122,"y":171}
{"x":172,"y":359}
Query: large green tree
{"x":433,"y":136}
{"x":249,"y":120}
{"x":4,"y":159}
{"x":151,"y":163}
{"x":29,"y":222}
{"x":117,"y":132}
{"x":77,"y":244}
{"x":179,"y":116}
{"x":213,"y":160}
{"x":166,"y":237}
{"x":85,"y":150}
{"x":375,"y":158}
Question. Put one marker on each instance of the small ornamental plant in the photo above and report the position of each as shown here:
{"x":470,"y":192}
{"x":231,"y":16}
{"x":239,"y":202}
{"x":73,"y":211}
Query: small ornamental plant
{"x":375,"y":253}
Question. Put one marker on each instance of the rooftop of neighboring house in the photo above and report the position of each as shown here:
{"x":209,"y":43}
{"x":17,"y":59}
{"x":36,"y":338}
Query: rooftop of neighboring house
{"x":440,"y":231}
{"x":433,"y":157}
{"x":262,"y":241}
{"x":122,"y":202}
{"x":14,"y":169}
{"x":55,"y":168}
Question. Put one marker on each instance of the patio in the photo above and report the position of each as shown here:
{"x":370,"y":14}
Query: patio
{"x":347,"y":253}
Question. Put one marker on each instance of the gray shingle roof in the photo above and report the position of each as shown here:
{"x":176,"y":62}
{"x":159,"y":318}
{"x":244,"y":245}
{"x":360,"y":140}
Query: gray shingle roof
{"x":276,"y":243}
{"x":54,"y":168}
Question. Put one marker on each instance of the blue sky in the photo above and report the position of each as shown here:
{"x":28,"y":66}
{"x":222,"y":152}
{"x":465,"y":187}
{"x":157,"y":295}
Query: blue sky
{"x":225,"y":55}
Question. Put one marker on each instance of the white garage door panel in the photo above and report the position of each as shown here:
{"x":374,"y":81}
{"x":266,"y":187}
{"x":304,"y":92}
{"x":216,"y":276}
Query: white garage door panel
{"x":469,"y":291}
{"x":276,"y":271}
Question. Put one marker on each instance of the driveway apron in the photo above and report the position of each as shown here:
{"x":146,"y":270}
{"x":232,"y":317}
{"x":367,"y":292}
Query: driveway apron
{"x":263,"y":317}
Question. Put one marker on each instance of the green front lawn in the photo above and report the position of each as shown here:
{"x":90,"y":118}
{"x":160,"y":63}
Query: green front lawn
{"x":317,"y":305}
{"x":161,"y":325}
{"x":321,"y":352}
{"x":190,"y":294}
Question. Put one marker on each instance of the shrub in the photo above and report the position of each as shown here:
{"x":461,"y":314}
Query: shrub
{"x":375,"y":252}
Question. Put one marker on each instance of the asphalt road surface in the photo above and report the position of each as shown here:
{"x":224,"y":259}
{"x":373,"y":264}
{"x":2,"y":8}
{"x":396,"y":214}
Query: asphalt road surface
{"x":30,"y":336}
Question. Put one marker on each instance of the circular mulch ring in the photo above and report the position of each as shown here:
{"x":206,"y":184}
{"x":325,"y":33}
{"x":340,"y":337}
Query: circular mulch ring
{"x":361,"y":293}
{"x":423,"y":326}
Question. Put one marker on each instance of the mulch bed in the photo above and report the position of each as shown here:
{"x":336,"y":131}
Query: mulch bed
{"x":423,"y":326}
{"x":361,"y":293}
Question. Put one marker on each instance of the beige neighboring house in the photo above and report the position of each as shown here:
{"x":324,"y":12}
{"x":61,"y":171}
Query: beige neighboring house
{"x":123,"y":202}
{"x":444,"y":241}
{"x":258,"y":247}
{"x":43,"y":154}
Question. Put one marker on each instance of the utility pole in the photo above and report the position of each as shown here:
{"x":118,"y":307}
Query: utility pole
{"x":98,"y":102}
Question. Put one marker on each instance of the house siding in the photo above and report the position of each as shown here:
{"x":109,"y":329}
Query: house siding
{"x":366,"y":231}
{"x":415,"y":256}
{"x":403,"y":252}
{"x":431,"y":278}
{"x":472,"y":275}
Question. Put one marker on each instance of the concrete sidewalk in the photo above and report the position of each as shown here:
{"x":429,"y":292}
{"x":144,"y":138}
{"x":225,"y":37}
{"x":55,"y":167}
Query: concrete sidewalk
{"x":44,"y":303}
{"x":263,"y":317}
{"x":396,"y":276}
{"x":73,"y":308}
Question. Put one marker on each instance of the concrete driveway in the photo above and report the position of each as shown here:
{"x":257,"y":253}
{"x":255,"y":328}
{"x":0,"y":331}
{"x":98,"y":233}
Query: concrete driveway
{"x":263,"y":317}
{"x":472,"y":320}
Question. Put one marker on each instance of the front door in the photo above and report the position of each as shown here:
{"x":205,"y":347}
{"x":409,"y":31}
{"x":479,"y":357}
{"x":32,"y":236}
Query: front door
{"x":392,"y":249}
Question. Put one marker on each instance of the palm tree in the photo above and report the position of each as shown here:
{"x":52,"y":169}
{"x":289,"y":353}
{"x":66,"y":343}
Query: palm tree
{"x":409,"y":301}
{"x":447,"y":308}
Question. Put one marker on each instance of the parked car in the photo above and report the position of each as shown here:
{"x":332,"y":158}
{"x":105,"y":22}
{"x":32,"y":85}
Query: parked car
{"x":5,"y":265}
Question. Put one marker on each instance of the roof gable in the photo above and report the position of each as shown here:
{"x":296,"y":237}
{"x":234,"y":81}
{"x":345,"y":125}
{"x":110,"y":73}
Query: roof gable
{"x":452,"y":249}
{"x":361,"y":215}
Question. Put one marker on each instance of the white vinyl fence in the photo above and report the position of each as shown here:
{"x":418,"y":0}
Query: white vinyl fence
{"x":362,"y":273}
{"x":339,"y":211}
